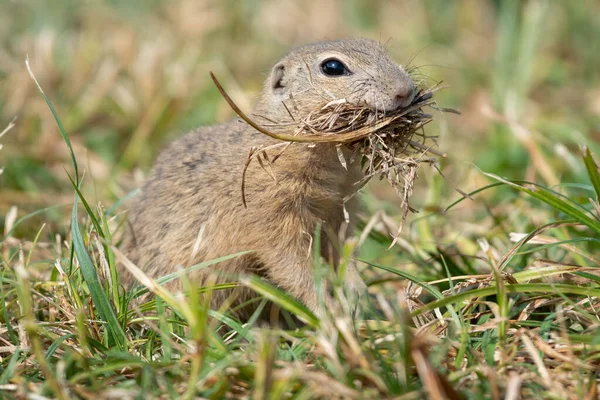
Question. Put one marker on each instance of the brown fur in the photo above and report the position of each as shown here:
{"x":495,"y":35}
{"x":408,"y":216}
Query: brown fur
{"x":194,"y":188}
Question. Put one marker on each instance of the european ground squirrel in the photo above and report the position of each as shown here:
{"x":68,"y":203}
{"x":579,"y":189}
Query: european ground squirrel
{"x":190,"y":209}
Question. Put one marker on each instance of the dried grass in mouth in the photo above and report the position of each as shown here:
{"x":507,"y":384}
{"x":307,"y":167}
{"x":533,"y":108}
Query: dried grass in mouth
{"x":392,"y":145}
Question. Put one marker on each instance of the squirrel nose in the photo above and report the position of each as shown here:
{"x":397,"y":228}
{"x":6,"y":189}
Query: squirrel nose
{"x":405,"y":96}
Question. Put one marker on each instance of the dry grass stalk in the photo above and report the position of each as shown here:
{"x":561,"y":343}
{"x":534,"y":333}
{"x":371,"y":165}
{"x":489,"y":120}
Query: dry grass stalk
{"x":392,"y":145}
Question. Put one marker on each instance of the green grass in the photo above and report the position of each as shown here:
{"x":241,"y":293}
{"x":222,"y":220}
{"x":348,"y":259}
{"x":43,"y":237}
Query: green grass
{"x":490,"y":297}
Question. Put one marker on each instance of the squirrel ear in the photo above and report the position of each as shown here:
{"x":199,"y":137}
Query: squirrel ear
{"x":277,"y":76}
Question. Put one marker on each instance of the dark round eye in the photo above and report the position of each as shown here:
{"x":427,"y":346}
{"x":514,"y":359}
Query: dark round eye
{"x":334,"y":67}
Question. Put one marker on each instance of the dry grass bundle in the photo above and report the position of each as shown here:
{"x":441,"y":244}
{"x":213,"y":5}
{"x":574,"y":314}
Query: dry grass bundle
{"x":391,"y":145}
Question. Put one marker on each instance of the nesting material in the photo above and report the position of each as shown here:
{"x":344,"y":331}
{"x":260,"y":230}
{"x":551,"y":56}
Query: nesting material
{"x":392,"y":145}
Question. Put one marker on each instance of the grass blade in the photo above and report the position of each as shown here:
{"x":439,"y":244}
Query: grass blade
{"x":280,"y":298}
{"x":593,"y":170}
{"x":107,"y":313}
{"x":470,"y":194}
{"x":550,"y":198}
{"x":115,"y":332}
{"x":87,"y":207}
{"x":178,"y":274}
{"x":60,"y":125}
{"x":431,"y":289}
{"x":514,"y":288}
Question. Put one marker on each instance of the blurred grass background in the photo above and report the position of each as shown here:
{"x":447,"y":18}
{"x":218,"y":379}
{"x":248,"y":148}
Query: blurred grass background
{"x":128,"y":77}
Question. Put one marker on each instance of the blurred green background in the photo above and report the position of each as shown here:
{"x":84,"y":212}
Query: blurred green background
{"x":127,"y":77}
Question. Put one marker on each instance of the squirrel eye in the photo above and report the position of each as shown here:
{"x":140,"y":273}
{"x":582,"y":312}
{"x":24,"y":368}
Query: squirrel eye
{"x":334,"y":67}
